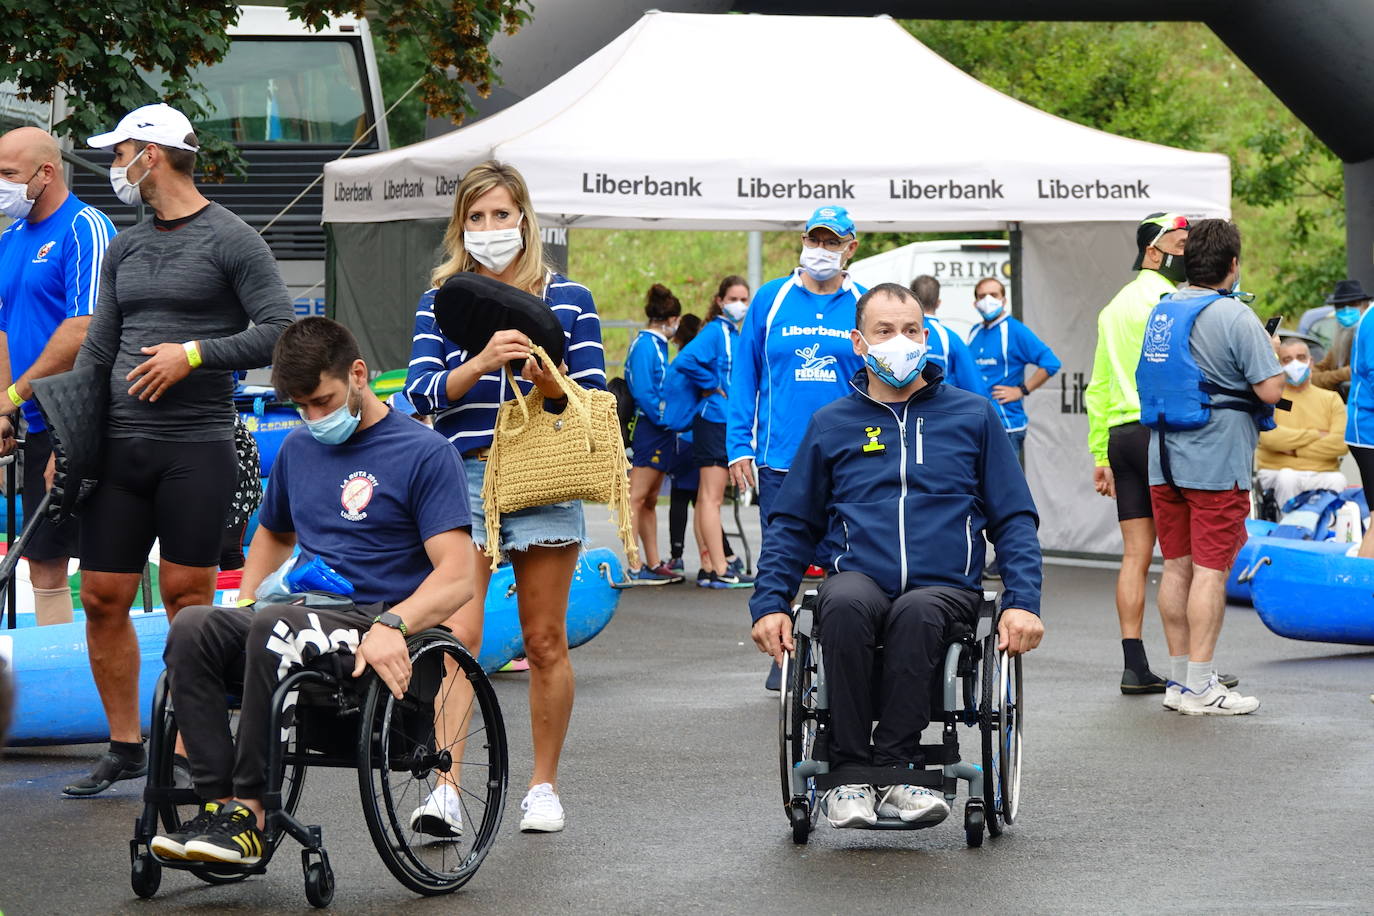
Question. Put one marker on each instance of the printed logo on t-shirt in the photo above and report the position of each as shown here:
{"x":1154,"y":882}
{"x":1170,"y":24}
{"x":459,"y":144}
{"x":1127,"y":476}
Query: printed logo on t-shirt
{"x":357,"y":493}
{"x":814,"y":368}
{"x":42,"y":255}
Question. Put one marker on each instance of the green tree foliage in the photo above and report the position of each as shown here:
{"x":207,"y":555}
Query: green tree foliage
{"x":1174,"y":83}
{"x":95,"y":53}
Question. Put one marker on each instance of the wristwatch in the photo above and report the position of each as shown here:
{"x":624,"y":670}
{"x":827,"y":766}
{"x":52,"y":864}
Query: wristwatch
{"x":394,"y":621}
{"x":1024,"y":390}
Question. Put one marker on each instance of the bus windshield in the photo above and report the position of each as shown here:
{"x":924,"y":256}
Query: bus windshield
{"x":287,"y":91}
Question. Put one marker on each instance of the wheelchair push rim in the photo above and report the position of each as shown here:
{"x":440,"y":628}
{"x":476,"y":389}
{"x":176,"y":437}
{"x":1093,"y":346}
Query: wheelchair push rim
{"x":409,"y":747}
{"x":797,"y":727}
{"x":1010,"y":715}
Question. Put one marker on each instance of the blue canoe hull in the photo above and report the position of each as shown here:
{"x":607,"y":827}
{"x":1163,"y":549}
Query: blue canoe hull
{"x":56,"y":701}
{"x":1238,"y":592}
{"x":1307,"y":593}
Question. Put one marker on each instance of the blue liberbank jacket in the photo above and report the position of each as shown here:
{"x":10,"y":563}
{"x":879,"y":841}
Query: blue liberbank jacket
{"x":915,"y":487}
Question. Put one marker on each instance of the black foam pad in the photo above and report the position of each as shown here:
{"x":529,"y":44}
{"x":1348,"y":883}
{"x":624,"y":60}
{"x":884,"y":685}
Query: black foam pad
{"x":469,"y":308}
{"x":73,"y":405}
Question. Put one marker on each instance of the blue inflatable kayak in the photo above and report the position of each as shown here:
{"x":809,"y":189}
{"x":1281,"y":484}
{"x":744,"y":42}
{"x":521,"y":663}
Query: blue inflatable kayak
{"x":56,"y":701}
{"x":1308,"y":590}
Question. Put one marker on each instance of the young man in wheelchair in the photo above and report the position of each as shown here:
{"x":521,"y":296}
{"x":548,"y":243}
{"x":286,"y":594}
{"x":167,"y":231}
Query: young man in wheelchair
{"x":378,"y":498}
{"x":917,"y":471}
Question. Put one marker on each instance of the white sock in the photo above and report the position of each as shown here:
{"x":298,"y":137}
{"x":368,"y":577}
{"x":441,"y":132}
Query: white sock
{"x":1199,"y":673}
{"x":1178,"y":669}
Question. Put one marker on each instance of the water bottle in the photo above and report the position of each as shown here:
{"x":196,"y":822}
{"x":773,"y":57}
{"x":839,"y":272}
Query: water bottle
{"x":1347,"y":527}
{"x":317,"y":576}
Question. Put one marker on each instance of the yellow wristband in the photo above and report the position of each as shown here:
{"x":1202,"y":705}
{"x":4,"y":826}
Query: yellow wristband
{"x":192,"y":354}
{"x":13,"y":392}
{"x":245,"y":602}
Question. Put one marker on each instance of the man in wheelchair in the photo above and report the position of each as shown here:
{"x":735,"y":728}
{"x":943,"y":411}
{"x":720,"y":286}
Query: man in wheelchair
{"x":363,"y":490}
{"x":916,"y":471}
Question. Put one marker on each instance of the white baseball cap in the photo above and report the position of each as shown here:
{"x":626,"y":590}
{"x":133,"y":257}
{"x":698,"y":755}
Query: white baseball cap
{"x":161,"y":124}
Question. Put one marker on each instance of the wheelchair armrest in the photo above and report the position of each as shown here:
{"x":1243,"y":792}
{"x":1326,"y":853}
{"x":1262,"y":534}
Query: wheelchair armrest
{"x":987,"y":617}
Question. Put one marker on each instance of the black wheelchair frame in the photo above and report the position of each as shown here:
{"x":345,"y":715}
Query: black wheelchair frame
{"x":326,"y":718}
{"x":980,"y":687}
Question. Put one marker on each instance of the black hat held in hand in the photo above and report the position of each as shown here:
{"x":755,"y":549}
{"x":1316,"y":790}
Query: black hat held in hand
{"x":469,"y":308}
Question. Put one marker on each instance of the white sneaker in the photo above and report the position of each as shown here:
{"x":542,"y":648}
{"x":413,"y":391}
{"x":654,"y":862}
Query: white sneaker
{"x":850,"y":806}
{"x":913,"y":804}
{"x":441,"y":815}
{"x":1216,"y":700}
{"x":543,"y":811}
{"x":1173,"y":694}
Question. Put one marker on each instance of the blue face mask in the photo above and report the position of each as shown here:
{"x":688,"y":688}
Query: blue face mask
{"x":335,"y":427}
{"x":1348,"y":316}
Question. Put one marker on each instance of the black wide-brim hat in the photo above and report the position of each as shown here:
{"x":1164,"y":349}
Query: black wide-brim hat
{"x":469,"y":308}
{"x":1347,"y":291}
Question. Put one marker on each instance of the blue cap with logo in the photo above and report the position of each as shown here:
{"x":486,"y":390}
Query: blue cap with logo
{"x":836,"y":219}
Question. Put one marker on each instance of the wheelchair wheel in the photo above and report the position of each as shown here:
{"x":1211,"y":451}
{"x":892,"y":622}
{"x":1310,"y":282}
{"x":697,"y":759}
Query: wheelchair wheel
{"x":989,"y":727}
{"x":161,"y":774}
{"x":1010,"y":713}
{"x":448,"y":730}
{"x":797,"y":733}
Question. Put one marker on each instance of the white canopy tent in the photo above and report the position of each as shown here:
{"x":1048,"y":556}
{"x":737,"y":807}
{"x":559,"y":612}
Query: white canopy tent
{"x":654,"y":131}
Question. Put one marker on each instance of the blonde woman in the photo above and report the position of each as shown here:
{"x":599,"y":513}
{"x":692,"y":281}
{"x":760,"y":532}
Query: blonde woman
{"x":493,"y":232}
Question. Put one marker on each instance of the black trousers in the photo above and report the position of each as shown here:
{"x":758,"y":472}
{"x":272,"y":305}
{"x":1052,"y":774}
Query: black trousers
{"x":855,"y":618}
{"x":214,"y":651}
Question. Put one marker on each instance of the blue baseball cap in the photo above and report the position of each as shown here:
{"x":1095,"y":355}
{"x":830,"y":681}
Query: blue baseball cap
{"x":836,"y":219}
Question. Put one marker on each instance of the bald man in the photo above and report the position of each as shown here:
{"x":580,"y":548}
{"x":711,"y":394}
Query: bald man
{"x":50,"y":259}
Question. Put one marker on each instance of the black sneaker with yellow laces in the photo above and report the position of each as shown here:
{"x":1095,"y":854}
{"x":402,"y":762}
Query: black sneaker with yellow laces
{"x":233,"y":837}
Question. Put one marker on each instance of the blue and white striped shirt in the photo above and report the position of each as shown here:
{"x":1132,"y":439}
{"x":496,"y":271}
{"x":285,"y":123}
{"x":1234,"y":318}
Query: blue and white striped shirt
{"x":470,"y":422}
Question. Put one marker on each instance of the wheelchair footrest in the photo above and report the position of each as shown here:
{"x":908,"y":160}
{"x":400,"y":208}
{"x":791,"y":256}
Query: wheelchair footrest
{"x":879,"y":776}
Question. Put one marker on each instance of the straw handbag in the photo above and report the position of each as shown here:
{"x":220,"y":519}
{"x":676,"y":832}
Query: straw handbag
{"x":538,"y":458}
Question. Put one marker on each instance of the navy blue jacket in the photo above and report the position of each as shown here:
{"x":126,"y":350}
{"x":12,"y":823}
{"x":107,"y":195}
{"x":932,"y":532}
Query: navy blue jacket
{"x":914,"y":487}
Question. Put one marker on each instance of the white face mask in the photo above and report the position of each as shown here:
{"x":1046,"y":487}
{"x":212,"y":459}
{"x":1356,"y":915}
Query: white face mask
{"x":125,"y":190}
{"x":14,"y":199}
{"x":989,"y":307}
{"x":735,"y":311}
{"x":820,"y":264}
{"x":494,"y":249}
{"x":1297,"y":370}
{"x":897,"y":360}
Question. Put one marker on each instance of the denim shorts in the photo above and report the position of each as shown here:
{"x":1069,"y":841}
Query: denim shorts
{"x":555,"y":525}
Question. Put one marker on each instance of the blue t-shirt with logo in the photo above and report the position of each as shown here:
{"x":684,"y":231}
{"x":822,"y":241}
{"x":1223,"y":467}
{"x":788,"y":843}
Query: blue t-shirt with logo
{"x":793,"y":357}
{"x":367,"y":507}
{"x":1002,"y":351}
{"x":49,"y":272}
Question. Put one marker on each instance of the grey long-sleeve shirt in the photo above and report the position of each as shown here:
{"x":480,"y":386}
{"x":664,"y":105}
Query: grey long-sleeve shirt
{"x":204,"y":280}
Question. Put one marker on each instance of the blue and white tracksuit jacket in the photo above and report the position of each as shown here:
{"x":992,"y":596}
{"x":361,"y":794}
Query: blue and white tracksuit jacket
{"x":1002,"y":352}
{"x":706,"y":362}
{"x":646,"y":368}
{"x":914,"y":486}
{"x":794,"y":356}
{"x":948,"y":351}
{"x":470,"y":422}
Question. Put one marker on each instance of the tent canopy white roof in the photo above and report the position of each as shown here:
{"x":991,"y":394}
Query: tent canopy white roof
{"x":692,"y":121}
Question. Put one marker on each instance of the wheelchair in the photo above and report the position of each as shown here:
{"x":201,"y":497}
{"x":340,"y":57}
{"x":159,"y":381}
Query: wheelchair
{"x":326,"y":718}
{"x":980,"y":687}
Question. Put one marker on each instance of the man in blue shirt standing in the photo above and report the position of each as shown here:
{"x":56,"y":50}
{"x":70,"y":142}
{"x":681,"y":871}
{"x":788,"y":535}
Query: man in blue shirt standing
{"x":946,"y":349}
{"x":50,"y":259}
{"x":1003,"y":348}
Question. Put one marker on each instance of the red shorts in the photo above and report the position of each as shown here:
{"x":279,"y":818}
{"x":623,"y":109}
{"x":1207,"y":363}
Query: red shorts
{"x":1208,"y":524}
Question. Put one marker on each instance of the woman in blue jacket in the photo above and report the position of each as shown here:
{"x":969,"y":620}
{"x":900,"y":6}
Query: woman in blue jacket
{"x":654,"y":446}
{"x":706,"y":363}
{"x":493,"y":232}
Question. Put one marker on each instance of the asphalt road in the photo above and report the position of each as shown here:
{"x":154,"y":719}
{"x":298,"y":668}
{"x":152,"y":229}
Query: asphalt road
{"x":669,"y":780}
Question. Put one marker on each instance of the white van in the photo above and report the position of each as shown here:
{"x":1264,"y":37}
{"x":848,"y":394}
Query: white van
{"x":957,"y":263}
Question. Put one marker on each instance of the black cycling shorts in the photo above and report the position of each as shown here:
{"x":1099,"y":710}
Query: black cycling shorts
{"x":1128,"y":454}
{"x":175,"y":492}
{"x":49,"y":542}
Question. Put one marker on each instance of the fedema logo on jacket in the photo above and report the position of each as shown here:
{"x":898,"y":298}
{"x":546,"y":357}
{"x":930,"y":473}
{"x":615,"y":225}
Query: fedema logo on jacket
{"x":815,"y":368}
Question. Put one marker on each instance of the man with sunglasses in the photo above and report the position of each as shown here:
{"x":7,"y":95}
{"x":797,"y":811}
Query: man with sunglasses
{"x":793,"y":356}
{"x":1120,"y":445}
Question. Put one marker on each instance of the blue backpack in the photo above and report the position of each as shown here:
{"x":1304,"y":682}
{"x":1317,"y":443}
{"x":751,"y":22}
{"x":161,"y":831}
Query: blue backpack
{"x":1174,"y":394}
